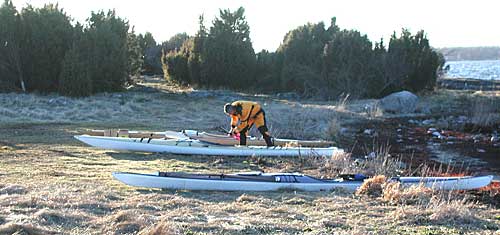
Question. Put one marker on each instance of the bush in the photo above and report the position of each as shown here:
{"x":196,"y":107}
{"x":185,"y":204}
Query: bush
{"x":75,"y":77}
{"x":10,"y":61}
{"x":108,"y":61}
{"x":48,"y":35}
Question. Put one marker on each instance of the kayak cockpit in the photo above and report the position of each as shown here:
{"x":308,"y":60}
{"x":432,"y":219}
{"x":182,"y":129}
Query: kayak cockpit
{"x":250,"y":176}
{"x":263,"y":177}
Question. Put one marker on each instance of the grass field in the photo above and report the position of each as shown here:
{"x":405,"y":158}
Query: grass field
{"x":52,"y":184}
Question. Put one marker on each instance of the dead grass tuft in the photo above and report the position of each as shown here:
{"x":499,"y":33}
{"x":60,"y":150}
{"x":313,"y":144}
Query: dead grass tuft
{"x":28,"y":229}
{"x":296,"y":201}
{"x":394,"y":193}
{"x":452,"y":211}
{"x":338,"y":163}
{"x":341,"y":104}
{"x":382,"y":163}
{"x":331,"y":224}
{"x":125,"y":222}
{"x":128,"y":228}
{"x":13,"y":189}
{"x":6,"y":148}
{"x":50,"y":217}
{"x":485,"y":113}
{"x":334,"y":128}
{"x":410,"y":214}
{"x":300,"y":121}
{"x":246,"y":198}
{"x":372,"y":186}
{"x":164,"y":227}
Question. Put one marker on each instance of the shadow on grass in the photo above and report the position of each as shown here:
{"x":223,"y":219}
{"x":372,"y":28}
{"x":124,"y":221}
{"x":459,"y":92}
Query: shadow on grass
{"x":230,"y":161}
{"x":281,"y":196}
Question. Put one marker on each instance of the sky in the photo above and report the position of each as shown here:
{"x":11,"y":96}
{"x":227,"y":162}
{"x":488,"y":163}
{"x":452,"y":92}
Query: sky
{"x":448,"y":23}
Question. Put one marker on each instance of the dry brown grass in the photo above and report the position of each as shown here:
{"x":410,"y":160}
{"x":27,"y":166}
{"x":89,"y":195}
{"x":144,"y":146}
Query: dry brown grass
{"x":18,"y":229}
{"x":54,"y":185}
{"x":485,"y":113}
{"x":164,"y":227}
{"x":394,"y":193}
{"x":372,"y":186}
{"x":12,"y":189}
{"x":452,"y":212}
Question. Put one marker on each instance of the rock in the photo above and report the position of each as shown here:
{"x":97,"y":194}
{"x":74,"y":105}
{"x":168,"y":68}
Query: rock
{"x":481,"y":151}
{"x":59,"y":101}
{"x":431,"y":130}
{"x":428,"y":121}
{"x":343,"y":131}
{"x":462,"y":119}
{"x":438,"y":135}
{"x":494,"y":138}
{"x":368,"y":132}
{"x":399,"y":102}
{"x":288,"y":96}
{"x":477,"y":137}
{"x":371,"y":155}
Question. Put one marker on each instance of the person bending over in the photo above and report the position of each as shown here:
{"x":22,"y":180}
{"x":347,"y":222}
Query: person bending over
{"x":244,"y":114}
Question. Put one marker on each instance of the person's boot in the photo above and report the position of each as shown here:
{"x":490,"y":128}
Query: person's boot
{"x":243,"y":139}
{"x":269,"y":140}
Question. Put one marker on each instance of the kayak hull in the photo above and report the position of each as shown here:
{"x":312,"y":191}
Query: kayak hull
{"x":195,"y":147}
{"x":176,"y":183}
{"x":448,"y":183}
{"x":155,"y":181}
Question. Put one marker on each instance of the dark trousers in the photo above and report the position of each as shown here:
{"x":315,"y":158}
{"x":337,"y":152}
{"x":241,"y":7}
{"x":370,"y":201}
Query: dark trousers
{"x":262,"y":129}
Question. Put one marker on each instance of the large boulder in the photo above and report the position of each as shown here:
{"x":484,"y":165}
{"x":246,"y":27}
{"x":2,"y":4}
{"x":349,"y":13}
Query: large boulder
{"x":399,"y":102}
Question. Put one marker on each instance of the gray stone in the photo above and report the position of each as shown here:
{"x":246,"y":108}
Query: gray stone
{"x":428,"y":121}
{"x":399,"y":102}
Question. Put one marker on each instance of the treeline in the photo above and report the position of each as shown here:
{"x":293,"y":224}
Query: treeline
{"x":313,"y":60}
{"x":471,"y":53}
{"x":42,"y":51}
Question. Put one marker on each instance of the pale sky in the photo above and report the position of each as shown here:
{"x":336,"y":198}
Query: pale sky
{"x":447,"y":23}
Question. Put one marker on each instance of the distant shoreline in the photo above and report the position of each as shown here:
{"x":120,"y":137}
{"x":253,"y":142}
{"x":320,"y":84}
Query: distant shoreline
{"x":469,"y":84}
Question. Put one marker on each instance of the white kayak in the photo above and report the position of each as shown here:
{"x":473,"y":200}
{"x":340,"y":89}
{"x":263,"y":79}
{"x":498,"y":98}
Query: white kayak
{"x":195,"y":147}
{"x":282,"y":181}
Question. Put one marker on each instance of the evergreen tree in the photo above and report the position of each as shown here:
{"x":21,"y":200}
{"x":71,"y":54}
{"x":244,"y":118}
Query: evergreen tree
{"x":75,"y":77}
{"x":11,"y":77}
{"x":346,"y":64}
{"x":47,"y":36}
{"x":109,"y":63}
{"x":411,"y":63}
{"x":228,"y":58}
{"x":135,"y":55}
{"x":302,"y":51}
{"x":151,"y":54}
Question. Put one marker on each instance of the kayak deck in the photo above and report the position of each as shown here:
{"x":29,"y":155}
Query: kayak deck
{"x":195,"y":147}
{"x":205,"y":137}
{"x":277,"y":181}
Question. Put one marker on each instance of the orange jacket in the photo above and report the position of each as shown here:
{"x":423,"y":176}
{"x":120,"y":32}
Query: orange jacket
{"x":246,"y":111}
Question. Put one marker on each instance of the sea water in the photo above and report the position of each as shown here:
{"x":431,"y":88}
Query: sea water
{"x":479,"y":69}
